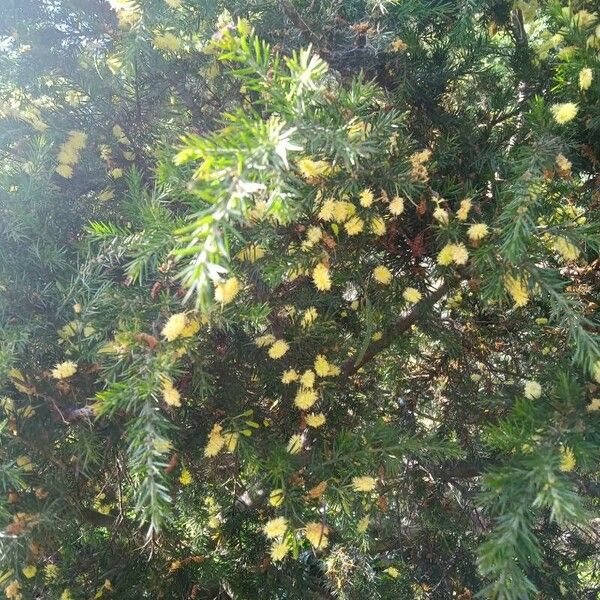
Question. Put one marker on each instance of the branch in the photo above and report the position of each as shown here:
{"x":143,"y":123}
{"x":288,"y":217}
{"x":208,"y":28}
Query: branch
{"x":351,"y":365}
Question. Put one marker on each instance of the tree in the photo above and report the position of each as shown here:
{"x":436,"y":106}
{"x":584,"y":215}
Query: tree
{"x":303,"y":308}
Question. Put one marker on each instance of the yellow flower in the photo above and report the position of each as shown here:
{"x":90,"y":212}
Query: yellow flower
{"x":231,"y":440}
{"x":174,"y":327}
{"x":563,"y":163}
{"x":226,"y":291}
{"x":477,"y":231}
{"x":393,"y":572}
{"x":64,"y":370}
{"x":279,"y":550}
{"x":24,"y":463}
{"x":65,"y":171}
{"x":308,"y":379}
{"x":565,"y":248}
{"x":378,"y":225}
{"x":364,"y":483}
{"x":366,"y":198}
{"x":116,"y":173}
{"x":564,"y":112}
{"x":192,"y":327}
{"x":532,"y":390}
{"x":77,"y":139}
{"x":13,"y":590}
{"x":314,"y":234}
{"x":105,"y":195}
{"x":441,"y":215}
{"x":215,"y":442}
{"x":463,"y":212}
{"x":334,"y":370}
{"x":275,"y":527}
{"x":568,"y":461}
{"x":316,"y":534}
{"x":460,"y":255}
{"x":170,"y":394}
{"x":29,"y":571}
{"x":585,"y":78}
{"x":276,"y":497}
{"x":321,"y":278}
{"x":288,"y":376}
{"x":396,"y":206}
{"x":377,"y":336}
{"x":185,"y":478}
{"x":305,"y":398}
{"x":363,"y":524}
{"x":251,"y":253}
{"x":326,"y":213}
{"x":315,"y":419}
{"x":594,"y":405}
{"x":453,"y":253}
{"x":321,"y":366}
{"x":342,"y":210}
{"x":354,"y":226}
{"x":382,"y":275}
{"x":398,"y":45}
{"x":66,"y":595}
{"x":167,"y":42}
{"x":265,"y":340}
{"x":278,"y":349}
{"x":517,"y":288}
{"x":173,"y":3}
{"x":309,"y":316}
{"x":295,"y":444}
{"x":313,"y":170}
{"x":411,"y":295}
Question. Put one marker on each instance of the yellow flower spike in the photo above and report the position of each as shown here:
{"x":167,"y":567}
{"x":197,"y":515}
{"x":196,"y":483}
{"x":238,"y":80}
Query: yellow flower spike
{"x":315,"y":420}
{"x":517,"y":289}
{"x":278,"y":551}
{"x":309,"y":316}
{"x":295,"y":444}
{"x":412,"y":295}
{"x":364,"y":483}
{"x":170,"y":394}
{"x":463,"y":212}
{"x":275,"y":527}
{"x":226,"y":291}
{"x":174,"y":327}
{"x":215,"y":442}
{"x":585,"y":78}
{"x":477,"y":231}
{"x":382,"y":275}
{"x":564,"y":112}
{"x":24,"y":463}
{"x":308,"y":379}
{"x":29,"y":571}
{"x":185,"y":478}
{"x":321,"y":278}
{"x":396,"y":206}
{"x":354,"y":226}
{"x":276,"y":497}
{"x":532,"y":390}
{"x":317,"y":535}
{"x":378,"y":226}
{"x":305,"y":398}
{"x":363,"y":524}
{"x":568,"y":461}
{"x":441,"y":215}
{"x":321,"y":365}
{"x":64,"y":370}
{"x":289,"y":375}
{"x":278,"y":349}
{"x":366,"y":198}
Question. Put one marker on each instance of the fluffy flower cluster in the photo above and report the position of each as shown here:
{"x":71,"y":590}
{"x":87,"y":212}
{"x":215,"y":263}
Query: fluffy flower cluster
{"x":69,"y":153}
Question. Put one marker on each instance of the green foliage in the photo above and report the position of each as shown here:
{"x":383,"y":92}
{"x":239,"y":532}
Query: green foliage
{"x":299,"y":299}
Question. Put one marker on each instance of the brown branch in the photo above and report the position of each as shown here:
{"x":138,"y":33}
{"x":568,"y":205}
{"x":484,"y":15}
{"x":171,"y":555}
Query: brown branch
{"x":351,"y":365}
{"x":294,"y":16}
